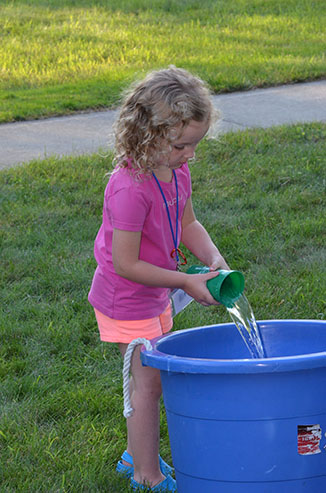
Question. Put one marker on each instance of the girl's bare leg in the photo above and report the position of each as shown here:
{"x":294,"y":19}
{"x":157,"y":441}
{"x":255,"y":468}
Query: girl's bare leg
{"x":143,"y":425}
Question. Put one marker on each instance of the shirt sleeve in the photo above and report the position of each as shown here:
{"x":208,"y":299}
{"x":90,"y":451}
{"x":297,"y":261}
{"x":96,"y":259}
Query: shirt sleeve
{"x":127,"y":209}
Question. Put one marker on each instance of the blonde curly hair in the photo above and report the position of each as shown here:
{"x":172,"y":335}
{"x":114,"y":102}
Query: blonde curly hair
{"x":154,"y":113}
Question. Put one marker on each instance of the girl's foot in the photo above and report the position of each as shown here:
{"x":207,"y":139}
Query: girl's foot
{"x":125,"y":466}
{"x":168,"y":485}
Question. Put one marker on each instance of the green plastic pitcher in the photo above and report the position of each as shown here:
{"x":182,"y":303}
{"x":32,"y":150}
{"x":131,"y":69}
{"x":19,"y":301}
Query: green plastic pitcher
{"x":226,"y":288}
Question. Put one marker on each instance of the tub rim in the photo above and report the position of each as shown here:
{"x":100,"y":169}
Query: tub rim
{"x":180,"y":364}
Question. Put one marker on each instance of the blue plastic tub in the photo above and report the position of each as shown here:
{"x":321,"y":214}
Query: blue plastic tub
{"x":245,"y":425}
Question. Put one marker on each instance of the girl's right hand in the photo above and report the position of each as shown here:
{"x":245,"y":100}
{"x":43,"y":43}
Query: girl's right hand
{"x":195,"y":286}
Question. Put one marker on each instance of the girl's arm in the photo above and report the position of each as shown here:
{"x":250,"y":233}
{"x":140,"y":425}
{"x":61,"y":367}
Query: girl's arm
{"x":125,"y":253}
{"x":195,"y":237}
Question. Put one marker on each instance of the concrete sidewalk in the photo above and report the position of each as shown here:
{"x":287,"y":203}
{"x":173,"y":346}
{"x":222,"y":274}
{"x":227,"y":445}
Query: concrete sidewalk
{"x":86,"y":133}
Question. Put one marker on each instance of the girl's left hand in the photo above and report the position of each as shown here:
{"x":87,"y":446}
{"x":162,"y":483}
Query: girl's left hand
{"x":218,"y":263}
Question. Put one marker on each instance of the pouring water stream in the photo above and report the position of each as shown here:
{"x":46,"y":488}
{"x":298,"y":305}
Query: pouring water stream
{"x":244,"y":319}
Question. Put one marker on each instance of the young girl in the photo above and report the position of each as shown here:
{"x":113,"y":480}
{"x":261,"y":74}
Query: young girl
{"x":147,"y":212}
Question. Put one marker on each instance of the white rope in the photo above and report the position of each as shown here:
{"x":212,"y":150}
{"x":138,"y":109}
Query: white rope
{"x":128,"y":410}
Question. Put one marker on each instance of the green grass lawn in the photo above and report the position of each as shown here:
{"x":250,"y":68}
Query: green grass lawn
{"x":261,"y":195}
{"x":62,"y":56}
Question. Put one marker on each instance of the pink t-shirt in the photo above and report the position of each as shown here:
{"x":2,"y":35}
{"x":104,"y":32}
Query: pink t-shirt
{"x":137,"y":205}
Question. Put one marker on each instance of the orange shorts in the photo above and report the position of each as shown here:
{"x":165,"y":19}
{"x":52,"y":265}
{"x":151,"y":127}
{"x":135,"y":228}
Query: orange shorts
{"x":125,"y":331}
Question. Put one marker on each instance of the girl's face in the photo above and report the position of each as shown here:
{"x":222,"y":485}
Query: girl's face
{"x":184,"y":146}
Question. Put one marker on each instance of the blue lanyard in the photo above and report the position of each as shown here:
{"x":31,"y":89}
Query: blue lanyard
{"x":174,"y":236}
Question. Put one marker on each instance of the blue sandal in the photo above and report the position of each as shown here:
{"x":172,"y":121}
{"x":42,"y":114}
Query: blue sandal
{"x":168,"y":485}
{"x":128,"y":471}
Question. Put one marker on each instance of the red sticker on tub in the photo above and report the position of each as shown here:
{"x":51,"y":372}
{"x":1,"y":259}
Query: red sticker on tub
{"x":309,"y":437}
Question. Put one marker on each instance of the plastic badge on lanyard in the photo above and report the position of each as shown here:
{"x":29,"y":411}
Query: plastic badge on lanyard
{"x":180,"y":300}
